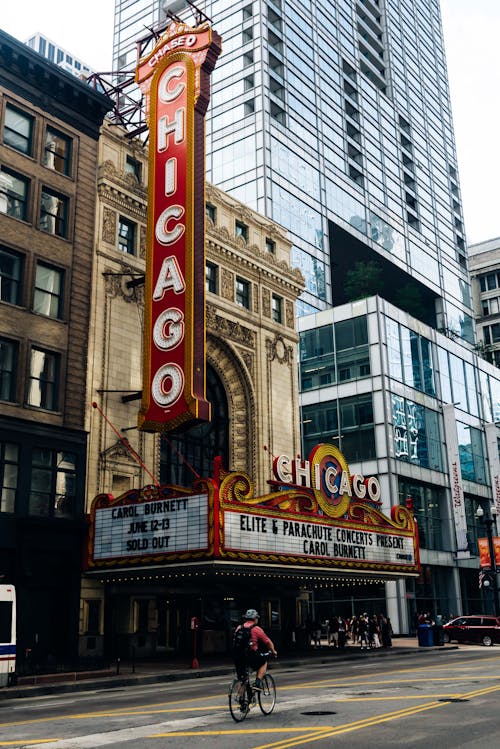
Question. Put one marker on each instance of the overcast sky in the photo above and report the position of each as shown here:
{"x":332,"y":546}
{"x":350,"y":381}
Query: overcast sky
{"x":471,"y":29}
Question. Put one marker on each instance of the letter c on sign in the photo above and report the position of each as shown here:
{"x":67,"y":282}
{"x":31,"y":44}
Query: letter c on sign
{"x":167,"y":385}
{"x":163,"y":92}
{"x":162,"y":233}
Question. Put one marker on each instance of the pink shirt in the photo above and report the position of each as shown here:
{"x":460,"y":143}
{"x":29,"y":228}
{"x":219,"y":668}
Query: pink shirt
{"x":258,"y":635}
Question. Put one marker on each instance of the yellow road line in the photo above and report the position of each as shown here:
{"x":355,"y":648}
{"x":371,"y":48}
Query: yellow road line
{"x":367,"y":722}
{"x":233,"y":731}
{"x":361,"y":681}
{"x":319,"y":733}
{"x":345,"y":685}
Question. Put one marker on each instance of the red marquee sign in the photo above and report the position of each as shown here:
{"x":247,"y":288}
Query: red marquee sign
{"x":223,"y":521}
{"x":175,"y":78}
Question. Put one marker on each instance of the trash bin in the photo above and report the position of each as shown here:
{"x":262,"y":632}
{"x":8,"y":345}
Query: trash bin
{"x":425,"y":635}
{"x":438,"y":633}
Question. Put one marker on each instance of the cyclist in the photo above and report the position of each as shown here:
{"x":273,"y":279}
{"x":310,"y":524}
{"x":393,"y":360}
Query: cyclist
{"x":254,"y":656}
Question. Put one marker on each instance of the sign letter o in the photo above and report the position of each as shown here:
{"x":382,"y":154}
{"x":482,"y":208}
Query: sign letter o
{"x":167,"y":385}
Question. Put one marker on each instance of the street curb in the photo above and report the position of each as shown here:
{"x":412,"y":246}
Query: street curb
{"x":113,"y":682}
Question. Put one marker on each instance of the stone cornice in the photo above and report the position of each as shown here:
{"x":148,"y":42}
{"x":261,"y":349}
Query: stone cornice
{"x":277,"y":271}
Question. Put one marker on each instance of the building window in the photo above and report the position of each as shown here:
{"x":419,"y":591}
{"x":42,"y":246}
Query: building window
{"x":211,"y":278}
{"x":54,"y":213}
{"x":489,"y":281}
{"x":13,"y":194}
{"x":57,"y":151}
{"x":270,"y":246}
{"x":48,"y":291}
{"x":247,"y":35}
{"x":472,"y":453}
{"x":201,"y":443}
{"x":18,"y":130}
{"x":11,"y":266}
{"x":8,"y":369}
{"x":9,"y":465}
{"x":126,"y":236}
{"x":416,"y":434}
{"x":277,"y":308}
{"x":241,"y":230}
{"x":134,"y":167}
{"x":43,"y":379}
{"x":348,"y":422}
{"x":243,"y":293}
{"x":427,"y":501}
{"x":211,"y":212}
{"x":53,"y":483}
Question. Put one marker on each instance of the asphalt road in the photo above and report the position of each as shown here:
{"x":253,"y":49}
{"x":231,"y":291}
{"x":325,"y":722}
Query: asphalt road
{"x":437,"y":700}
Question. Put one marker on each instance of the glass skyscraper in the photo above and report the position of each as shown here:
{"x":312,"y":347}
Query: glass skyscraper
{"x":334,"y":119}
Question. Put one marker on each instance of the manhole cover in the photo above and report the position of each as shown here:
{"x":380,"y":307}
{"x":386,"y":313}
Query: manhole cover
{"x":320,"y":712}
{"x":453,"y":699}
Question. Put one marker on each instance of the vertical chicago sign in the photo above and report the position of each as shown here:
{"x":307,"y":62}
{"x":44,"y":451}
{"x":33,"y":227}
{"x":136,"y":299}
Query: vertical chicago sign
{"x":175,"y":80}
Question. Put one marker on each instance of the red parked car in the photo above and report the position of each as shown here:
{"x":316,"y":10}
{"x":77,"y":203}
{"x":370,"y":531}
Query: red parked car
{"x":483,"y":629}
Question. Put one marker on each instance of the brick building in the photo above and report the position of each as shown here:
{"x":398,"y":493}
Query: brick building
{"x":49,"y":129}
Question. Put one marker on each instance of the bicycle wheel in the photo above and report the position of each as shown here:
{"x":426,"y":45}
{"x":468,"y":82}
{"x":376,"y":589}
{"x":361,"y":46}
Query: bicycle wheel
{"x":238,"y":701}
{"x":267,"y":698}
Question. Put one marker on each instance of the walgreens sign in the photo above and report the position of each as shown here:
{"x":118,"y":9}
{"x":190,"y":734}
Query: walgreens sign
{"x":175,"y":78}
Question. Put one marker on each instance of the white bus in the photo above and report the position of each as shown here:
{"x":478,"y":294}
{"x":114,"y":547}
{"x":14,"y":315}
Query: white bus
{"x":7,"y":634}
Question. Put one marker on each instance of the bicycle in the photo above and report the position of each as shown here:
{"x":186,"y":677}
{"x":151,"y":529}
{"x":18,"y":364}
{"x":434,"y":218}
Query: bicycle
{"x":242,"y":696}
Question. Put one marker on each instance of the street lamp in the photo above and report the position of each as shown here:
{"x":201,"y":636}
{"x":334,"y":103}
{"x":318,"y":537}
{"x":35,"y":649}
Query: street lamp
{"x":489,"y":519}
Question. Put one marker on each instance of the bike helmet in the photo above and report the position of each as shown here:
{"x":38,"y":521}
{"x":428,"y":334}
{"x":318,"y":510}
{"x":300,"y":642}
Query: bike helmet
{"x":251,"y":614}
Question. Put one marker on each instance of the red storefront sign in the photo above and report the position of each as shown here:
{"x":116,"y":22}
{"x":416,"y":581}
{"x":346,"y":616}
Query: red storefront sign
{"x":175,"y":78}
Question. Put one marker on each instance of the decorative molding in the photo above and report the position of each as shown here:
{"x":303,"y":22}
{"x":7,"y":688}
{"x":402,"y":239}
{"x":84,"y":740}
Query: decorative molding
{"x":115,"y":285}
{"x":266,"y":302}
{"x":277,"y":350}
{"x":289,"y":314}
{"x":142,"y":241}
{"x":233,"y":330}
{"x":108,"y":231}
{"x":227,"y":284}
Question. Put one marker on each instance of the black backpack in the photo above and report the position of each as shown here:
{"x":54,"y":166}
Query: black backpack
{"x":241,"y":640}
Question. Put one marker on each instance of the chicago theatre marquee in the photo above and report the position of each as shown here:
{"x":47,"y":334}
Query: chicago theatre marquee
{"x":219,"y":548}
{"x":256,"y":525}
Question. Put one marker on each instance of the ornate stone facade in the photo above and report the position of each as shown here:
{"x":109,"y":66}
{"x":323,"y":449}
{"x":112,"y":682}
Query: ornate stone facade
{"x":250,"y":352}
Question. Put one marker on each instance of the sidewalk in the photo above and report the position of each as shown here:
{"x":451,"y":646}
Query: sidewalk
{"x":145,"y":672}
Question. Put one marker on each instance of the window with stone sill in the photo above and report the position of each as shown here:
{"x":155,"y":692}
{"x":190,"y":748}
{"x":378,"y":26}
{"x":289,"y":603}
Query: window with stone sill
{"x":57,"y":151}
{"x":14,"y":191}
{"x":8,"y":369}
{"x":43,"y":379}
{"x":18,"y":130}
